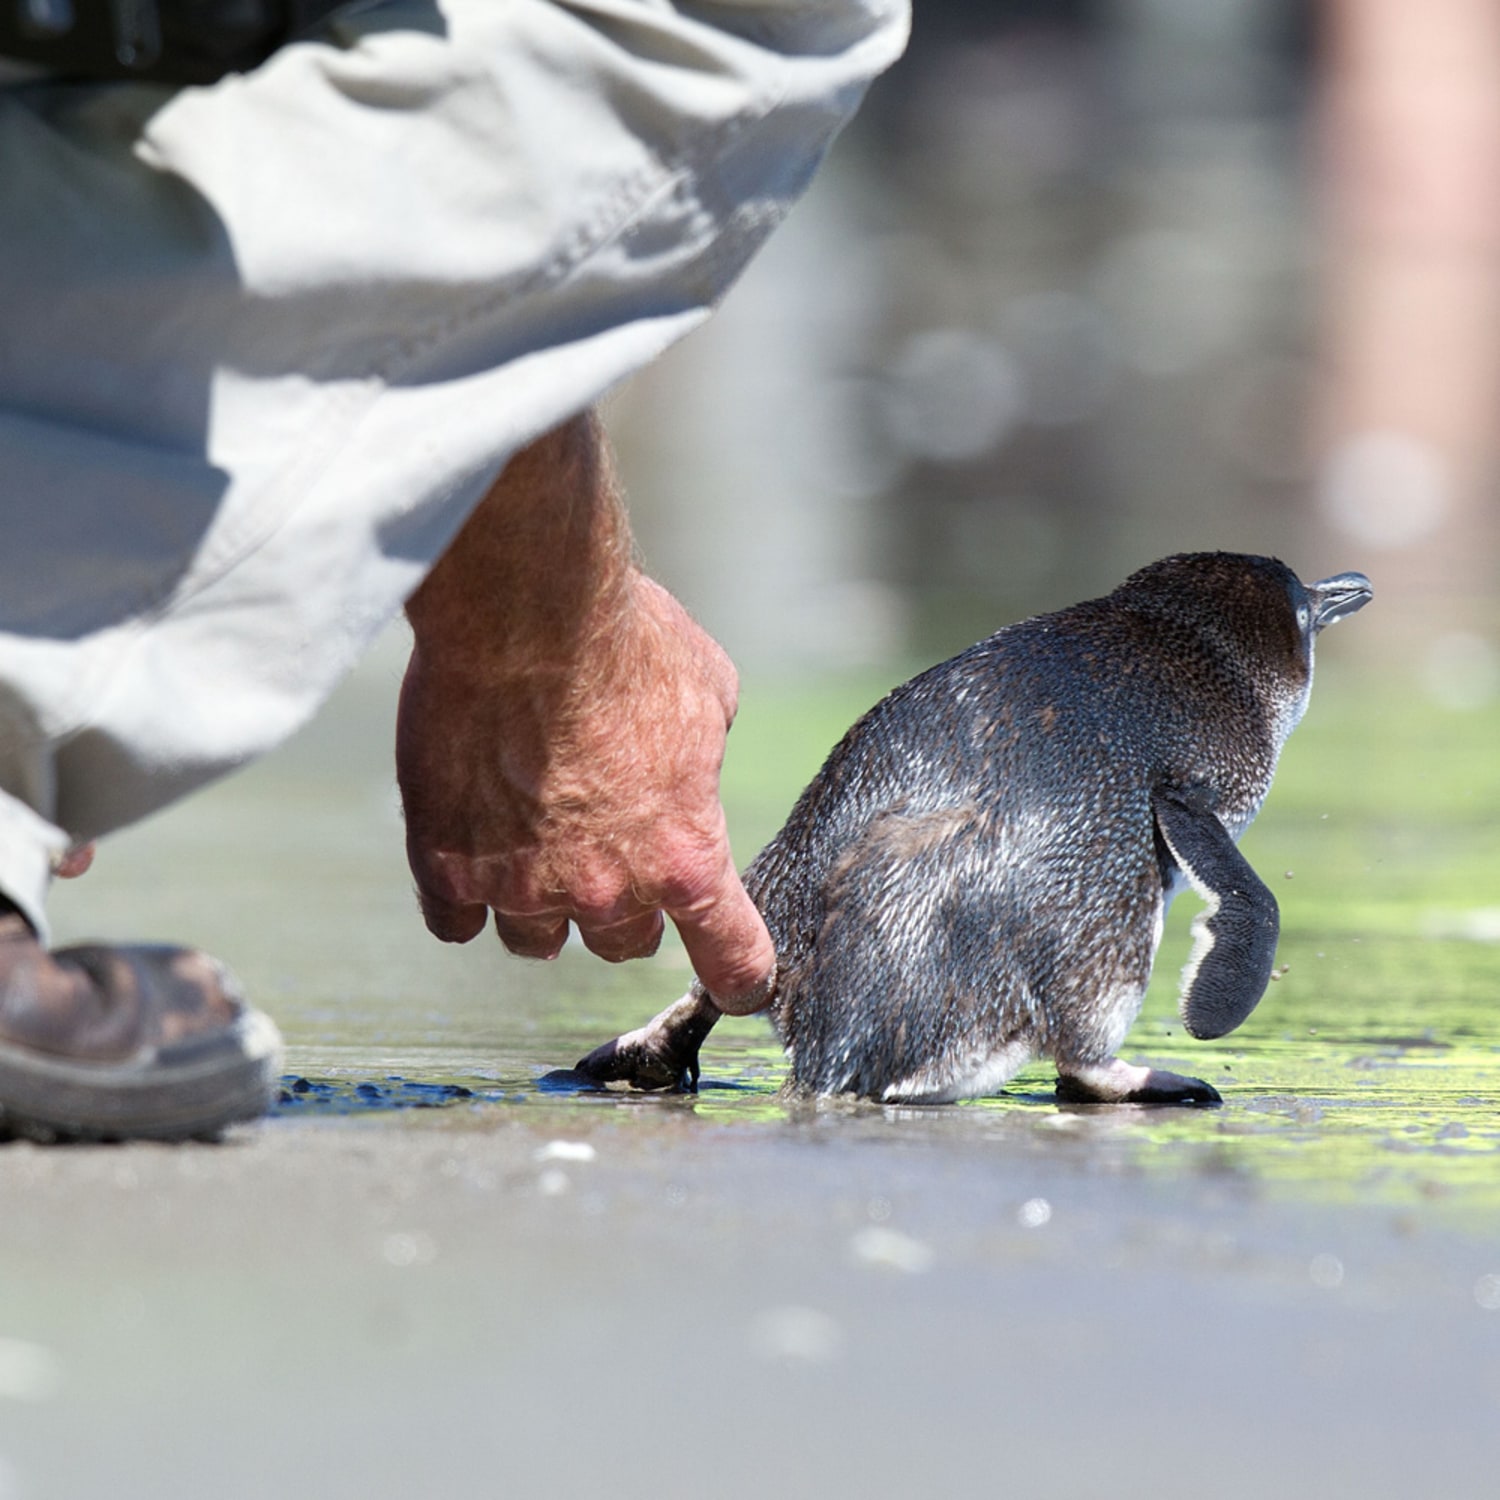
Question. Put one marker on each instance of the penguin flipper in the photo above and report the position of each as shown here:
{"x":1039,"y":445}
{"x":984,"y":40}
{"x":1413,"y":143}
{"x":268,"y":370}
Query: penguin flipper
{"x":1234,"y":941}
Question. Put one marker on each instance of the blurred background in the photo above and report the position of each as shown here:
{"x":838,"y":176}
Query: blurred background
{"x":1088,"y":282}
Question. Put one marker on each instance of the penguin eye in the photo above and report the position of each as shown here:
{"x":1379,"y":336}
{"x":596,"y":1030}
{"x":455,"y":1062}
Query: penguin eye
{"x":1304,"y":616}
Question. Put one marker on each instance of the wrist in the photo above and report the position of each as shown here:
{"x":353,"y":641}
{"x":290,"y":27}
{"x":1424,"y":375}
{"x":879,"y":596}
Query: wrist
{"x":540,"y":576}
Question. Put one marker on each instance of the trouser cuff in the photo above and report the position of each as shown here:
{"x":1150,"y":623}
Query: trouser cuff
{"x":29,"y":848}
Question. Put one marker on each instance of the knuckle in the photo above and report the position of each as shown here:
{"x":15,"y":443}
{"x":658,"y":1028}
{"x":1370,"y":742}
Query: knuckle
{"x":442,"y":878}
{"x":697,"y":880}
{"x":603,"y":901}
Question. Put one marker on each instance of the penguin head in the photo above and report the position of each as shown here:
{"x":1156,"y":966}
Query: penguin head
{"x":1254,"y":609}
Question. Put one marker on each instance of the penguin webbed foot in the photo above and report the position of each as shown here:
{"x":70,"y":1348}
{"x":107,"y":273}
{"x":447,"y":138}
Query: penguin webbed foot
{"x":662,"y":1054}
{"x":633,"y":1059}
{"x":1119,"y":1082}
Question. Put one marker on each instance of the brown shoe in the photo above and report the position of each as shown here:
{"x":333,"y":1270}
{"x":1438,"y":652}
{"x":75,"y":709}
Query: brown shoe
{"x":107,"y":1043}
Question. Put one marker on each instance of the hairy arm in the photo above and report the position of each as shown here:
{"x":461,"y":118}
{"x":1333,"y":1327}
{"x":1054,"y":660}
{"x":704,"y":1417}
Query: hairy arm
{"x":560,"y":735}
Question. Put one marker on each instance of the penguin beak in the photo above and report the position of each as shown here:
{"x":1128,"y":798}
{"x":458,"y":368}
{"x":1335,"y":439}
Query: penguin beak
{"x":1333,"y":598}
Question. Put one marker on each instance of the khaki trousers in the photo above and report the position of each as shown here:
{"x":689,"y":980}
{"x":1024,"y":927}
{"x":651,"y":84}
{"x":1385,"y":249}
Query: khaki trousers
{"x":264,"y":344}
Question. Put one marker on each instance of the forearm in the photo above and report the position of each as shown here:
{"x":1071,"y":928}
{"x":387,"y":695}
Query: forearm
{"x":539,"y":574}
{"x":538,"y":611}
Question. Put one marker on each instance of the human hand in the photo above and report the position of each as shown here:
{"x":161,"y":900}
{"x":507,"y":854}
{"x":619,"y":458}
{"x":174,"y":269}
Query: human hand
{"x":571,"y":776}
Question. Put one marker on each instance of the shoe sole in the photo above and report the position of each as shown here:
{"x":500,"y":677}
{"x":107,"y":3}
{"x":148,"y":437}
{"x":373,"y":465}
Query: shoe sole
{"x":195,"y":1089}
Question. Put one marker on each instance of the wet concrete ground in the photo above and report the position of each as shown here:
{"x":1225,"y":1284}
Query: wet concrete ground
{"x":633,"y":1302}
{"x":526,"y":1288}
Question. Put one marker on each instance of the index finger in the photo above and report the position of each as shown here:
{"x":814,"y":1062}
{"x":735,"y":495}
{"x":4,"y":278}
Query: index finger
{"x":730,"y":948}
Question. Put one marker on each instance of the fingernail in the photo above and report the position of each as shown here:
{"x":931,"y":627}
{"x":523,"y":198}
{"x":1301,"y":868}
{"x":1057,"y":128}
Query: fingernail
{"x":747,"y":1002}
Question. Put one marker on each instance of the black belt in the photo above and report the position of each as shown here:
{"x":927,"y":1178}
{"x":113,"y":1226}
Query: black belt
{"x":168,"y":41}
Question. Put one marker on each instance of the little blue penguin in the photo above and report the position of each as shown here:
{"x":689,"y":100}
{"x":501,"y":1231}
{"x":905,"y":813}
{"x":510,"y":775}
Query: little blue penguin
{"x":977,"y":876}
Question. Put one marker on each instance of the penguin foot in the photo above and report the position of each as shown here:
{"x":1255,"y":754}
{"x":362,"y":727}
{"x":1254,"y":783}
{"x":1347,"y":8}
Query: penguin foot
{"x":1118,"y":1082}
{"x":662,"y":1054}
{"x":637,"y":1058}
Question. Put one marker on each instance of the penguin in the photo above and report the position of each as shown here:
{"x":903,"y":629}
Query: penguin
{"x":978,"y":875}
